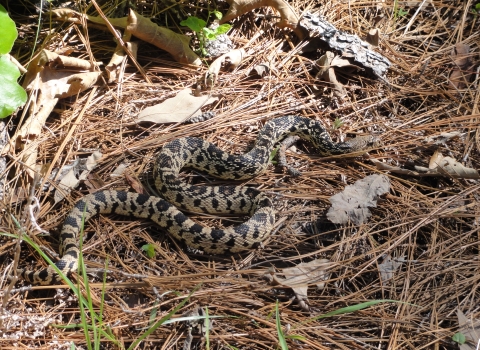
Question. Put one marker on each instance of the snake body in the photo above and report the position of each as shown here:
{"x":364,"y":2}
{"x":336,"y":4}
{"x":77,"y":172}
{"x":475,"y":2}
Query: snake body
{"x":201,"y":155}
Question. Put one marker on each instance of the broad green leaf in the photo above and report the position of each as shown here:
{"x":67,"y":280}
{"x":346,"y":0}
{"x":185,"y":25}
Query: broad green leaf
{"x":12,"y":95}
{"x":401,"y":12}
{"x":194,"y":23}
{"x":149,"y":249}
{"x":459,"y":338}
{"x":209,"y":34}
{"x":8,"y":30}
{"x":222,"y":29}
{"x":217,"y":14}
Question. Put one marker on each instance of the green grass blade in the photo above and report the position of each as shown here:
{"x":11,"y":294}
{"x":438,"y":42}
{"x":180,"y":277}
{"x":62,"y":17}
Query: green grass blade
{"x":281,"y":336}
{"x":352,"y":308}
{"x":164,"y":318}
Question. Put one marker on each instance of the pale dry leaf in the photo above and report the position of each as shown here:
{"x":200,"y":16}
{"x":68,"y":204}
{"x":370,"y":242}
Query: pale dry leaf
{"x":389,"y":266}
{"x":50,"y":77}
{"x":460,"y":75}
{"x":443,"y":137}
{"x":440,"y":166}
{"x":71,"y":175}
{"x":119,"y":170}
{"x":67,"y":183}
{"x":299,"y":277}
{"x":326,"y":63}
{"x":176,"y":109}
{"x":450,"y":167}
{"x":289,"y":17}
{"x":353,"y":202}
{"x":470,"y":328}
{"x":118,"y":60}
{"x":262,"y":69}
{"x":231,"y":60}
{"x":394,"y":169}
{"x":178,"y":45}
{"x":92,"y":160}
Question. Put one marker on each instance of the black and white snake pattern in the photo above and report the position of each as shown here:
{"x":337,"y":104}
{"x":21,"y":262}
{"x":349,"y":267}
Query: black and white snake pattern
{"x":201,"y":155}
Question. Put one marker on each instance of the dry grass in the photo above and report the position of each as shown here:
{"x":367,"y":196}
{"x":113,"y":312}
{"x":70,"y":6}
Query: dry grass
{"x":431,"y":222}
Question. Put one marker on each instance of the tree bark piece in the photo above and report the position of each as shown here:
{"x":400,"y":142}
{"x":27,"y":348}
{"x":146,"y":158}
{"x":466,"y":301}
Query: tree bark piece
{"x":348,"y":45}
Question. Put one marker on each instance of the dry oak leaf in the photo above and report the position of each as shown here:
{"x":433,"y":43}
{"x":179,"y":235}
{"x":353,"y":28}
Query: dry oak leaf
{"x":49,"y":78}
{"x":231,"y":60}
{"x":389,"y":266}
{"x":327,"y":72}
{"x":461,"y":74}
{"x":71,"y":175}
{"x":143,"y":28}
{"x":352,"y":203}
{"x":299,"y":277}
{"x":176,"y":109}
{"x":289,"y":17}
{"x":450,"y":167}
{"x":470,"y":328}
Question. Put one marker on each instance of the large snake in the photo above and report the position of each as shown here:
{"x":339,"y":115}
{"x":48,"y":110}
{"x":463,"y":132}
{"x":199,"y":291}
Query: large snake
{"x":202,"y":155}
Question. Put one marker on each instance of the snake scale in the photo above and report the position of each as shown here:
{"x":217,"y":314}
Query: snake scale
{"x":201,"y":155}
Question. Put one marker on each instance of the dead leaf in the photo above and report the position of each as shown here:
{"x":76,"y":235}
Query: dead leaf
{"x":231,"y":60}
{"x":94,"y":182}
{"x":176,"y":109}
{"x":462,"y":70}
{"x":119,"y":170}
{"x":135,"y":184}
{"x":450,"y":167}
{"x":396,"y":169}
{"x":352,"y":203}
{"x":389,"y":266}
{"x":439,"y":166}
{"x":299,"y":277}
{"x":119,"y":59}
{"x":71,"y":175}
{"x":50,"y":77}
{"x":443,"y":137}
{"x":326,"y":63}
{"x":262,"y":69}
{"x":288,"y":16}
{"x":178,"y":45}
{"x":470,"y":328}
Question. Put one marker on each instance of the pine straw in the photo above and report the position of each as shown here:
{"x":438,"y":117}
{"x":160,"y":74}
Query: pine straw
{"x":430,"y":222}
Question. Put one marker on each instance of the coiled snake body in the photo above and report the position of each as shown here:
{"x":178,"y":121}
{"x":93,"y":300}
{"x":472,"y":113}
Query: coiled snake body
{"x":202,"y":155}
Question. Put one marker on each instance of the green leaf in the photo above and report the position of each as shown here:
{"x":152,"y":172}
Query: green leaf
{"x":8,"y":30}
{"x":477,"y":6}
{"x":12,"y":95}
{"x":281,"y":335}
{"x":149,"y":250}
{"x":337,"y":123}
{"x":194,"y":23}
{"x":273,"y":155}
{"x":217,"y":14}
{"x":209,"y":34}
{"x":352,"y":308}
{"x":401,"y":12}
{"x":222,"y":29}
{"x":295,"y":337}
{"x":459,"y":338}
